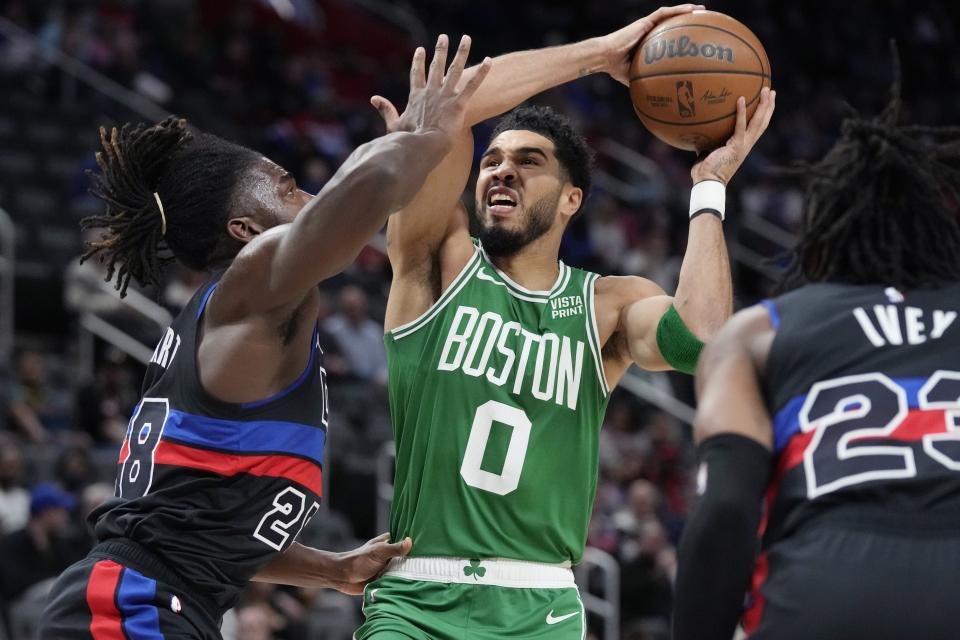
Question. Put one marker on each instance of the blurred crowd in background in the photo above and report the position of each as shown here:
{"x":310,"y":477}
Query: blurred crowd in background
{"x":292,"y":78}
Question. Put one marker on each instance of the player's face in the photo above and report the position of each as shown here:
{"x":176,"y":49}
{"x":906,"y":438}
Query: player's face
{"x":280,"y":192}
{"x":269,"y":196}
{"x":518,"y":191}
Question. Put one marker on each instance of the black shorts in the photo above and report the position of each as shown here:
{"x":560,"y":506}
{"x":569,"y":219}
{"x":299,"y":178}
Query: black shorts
{"x":120,"y":592}
{"x":835,"y":582}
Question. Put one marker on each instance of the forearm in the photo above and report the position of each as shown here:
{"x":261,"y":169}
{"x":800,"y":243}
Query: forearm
{"x":301,"y":566}
{"x":515,"y":77}
{"x":719,"y":544}
{"x":704,"y":296}
{"x":378,"y":179}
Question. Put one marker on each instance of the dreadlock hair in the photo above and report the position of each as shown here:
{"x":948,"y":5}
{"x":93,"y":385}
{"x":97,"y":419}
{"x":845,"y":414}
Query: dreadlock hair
{"x":882,"y":206}
{"x":575,"y":157}
{"x":195,"y":177}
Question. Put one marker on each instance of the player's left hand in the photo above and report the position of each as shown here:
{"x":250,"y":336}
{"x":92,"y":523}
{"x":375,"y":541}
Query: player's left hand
{"x":618,"y":47}
{"x":364,"y":564}
{"x":724,"y":161}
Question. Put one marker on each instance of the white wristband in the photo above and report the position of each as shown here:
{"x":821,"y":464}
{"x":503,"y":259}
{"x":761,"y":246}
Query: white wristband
{"x":709,"y":195}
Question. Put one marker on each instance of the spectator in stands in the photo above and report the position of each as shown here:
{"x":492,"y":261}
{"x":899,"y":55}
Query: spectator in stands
{"x":5,"y":391}
{"x":256,"y":622}
{"x":103,"y":406}
{"x":358,"y":337}
{"x":44,"y":547}
{"x":14,"y":499}
{"x":623,"y":446}
{"x":269,"y":611}
{"x":74,"y":469}
{"x":93,"y":496}
{"x":668,"y":464}
{"x":646,"y":581}
{"x":36,"y":406}
{"x":333,"y":360}
{"x":643,"y":503}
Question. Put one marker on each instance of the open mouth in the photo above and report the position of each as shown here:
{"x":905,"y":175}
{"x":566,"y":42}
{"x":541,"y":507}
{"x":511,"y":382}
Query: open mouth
{"x":501,"y":200}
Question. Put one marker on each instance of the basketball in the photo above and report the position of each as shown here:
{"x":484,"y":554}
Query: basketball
{"x":687,"y":74}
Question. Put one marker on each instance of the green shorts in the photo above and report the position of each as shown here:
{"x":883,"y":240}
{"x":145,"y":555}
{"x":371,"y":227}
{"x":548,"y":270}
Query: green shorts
{"x":460,"y":599}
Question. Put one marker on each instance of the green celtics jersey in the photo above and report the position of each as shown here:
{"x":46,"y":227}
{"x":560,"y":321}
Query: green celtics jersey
{"x":497,"y":395}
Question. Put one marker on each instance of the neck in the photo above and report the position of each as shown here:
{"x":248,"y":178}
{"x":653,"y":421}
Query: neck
{"x":534,"y":267}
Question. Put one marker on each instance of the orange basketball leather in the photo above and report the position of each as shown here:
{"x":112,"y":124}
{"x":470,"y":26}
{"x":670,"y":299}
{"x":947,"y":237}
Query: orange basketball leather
{"x":688,"y":73}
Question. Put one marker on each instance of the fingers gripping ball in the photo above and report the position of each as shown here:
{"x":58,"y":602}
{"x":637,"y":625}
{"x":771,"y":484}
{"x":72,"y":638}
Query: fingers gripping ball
{"x":687,"y":74}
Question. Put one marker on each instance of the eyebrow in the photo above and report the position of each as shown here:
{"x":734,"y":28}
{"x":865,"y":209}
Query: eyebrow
{"x":521,"y":150}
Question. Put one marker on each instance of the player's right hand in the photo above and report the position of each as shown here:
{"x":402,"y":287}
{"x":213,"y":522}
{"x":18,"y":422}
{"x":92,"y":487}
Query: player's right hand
{"x":619,"y":46}
{"x":435,"y":102}
{"x":367,"y":563}
{"x":722,"y":163}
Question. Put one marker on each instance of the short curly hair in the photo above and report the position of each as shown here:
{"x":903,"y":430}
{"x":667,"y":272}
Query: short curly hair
{"x":574,"y":155}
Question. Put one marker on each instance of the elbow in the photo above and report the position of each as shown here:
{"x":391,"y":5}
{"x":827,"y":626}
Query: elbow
{"x":703,"y":323}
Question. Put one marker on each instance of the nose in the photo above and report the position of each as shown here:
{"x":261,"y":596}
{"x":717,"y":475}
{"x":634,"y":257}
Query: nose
{"x":505,"y":172}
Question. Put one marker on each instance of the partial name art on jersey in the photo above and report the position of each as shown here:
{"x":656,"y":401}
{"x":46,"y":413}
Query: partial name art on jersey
{"x":166,"y":349}
{"x":548,"y":366}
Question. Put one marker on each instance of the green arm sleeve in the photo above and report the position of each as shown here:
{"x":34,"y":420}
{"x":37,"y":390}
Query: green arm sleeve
{"x":677,"y":344}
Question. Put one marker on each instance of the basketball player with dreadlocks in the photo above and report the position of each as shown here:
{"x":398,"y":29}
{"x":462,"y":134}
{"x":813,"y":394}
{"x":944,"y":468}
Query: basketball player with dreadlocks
{"x":220,"y":468}
{"x":829,"y":417}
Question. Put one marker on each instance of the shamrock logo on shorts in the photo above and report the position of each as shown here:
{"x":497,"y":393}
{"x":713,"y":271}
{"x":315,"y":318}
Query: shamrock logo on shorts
{"x":474,"y":569}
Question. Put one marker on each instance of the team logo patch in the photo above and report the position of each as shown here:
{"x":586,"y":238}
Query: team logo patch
{"x":893,"y":295}
{"x":474,"y":569}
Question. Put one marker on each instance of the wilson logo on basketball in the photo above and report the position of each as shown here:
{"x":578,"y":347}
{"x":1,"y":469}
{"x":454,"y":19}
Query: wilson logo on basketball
{"x":684,"y":47}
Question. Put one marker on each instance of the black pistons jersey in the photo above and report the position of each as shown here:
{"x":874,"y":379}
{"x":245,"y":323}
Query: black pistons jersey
{"x":213,"y":489}
{"x":863,"y":385}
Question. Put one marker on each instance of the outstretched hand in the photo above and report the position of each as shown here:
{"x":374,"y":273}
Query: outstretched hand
{"x":366,"y":563}
{"x":724,"y":161}
{"x":620,"y":45}
{"x":435,"y":102}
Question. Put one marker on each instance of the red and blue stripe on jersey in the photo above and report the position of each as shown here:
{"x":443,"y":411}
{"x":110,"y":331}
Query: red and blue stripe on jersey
{"x":122,"y":603}
{"x":268,"y":448}
{"x":790,"y":443}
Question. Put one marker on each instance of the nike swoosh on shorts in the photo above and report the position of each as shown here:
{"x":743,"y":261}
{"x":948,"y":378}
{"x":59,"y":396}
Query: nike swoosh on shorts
{"x":552,"y":620}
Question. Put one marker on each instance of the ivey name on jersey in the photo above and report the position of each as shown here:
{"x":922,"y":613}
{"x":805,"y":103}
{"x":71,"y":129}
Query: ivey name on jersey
{"x":893,"y":324}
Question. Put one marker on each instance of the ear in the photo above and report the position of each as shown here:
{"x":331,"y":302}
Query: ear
{"x":570,"y":200}
{"x":244,"y":228}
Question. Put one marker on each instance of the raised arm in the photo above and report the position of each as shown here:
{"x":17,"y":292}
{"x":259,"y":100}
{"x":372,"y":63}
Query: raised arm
{"x":517,"y":76}
{"x":279,"y":267}
{"x":661,"y":332}
{"x":429,"y":244}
